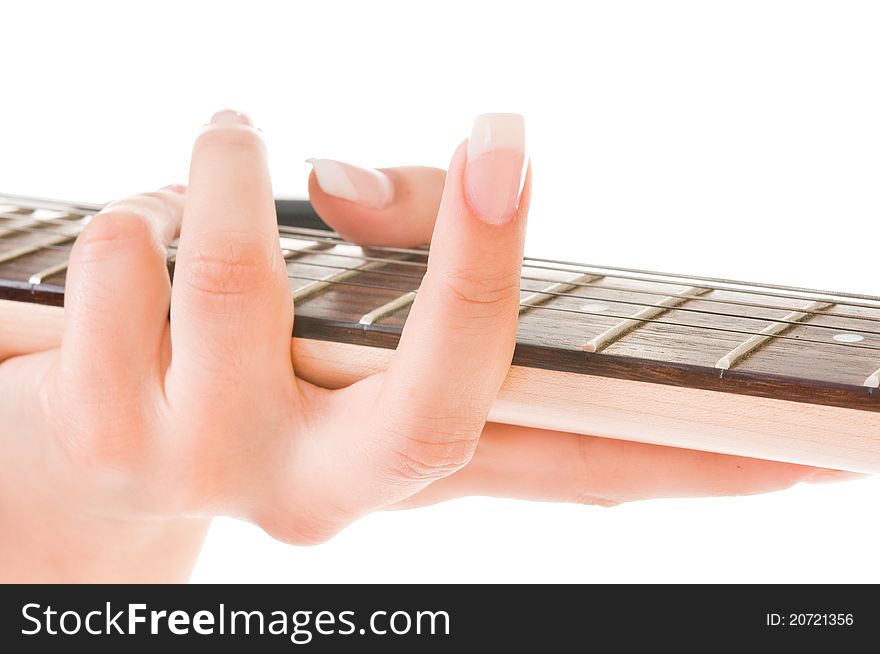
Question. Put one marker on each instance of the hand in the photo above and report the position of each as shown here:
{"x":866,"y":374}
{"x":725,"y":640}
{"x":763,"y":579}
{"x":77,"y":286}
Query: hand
{"x":121,"y":444}
{"x":132,"y":432}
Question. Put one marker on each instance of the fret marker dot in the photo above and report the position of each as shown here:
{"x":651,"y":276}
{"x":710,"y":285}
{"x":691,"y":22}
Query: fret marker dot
{"x":848,"y":338}
{"x":594,"y":307}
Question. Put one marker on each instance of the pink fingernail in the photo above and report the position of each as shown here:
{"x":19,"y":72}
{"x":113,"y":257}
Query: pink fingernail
{"x":364,"y":186}
{"x":831,"y":476}
{"x":496,"y":163}
{"x":174,"y":188}
{"x":230,"y":117}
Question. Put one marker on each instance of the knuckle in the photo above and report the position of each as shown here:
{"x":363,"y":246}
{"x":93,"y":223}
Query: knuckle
{"x":231,"y":138}
{"x":228,"y":267}
{"x":431,"y":454}
{"x":111,"y":233}
{"x":479,"y":292}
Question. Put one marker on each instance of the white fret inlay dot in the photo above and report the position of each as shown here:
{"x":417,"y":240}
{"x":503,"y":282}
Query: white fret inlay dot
{"x":594,"y":307}
{"x":848,"y":338}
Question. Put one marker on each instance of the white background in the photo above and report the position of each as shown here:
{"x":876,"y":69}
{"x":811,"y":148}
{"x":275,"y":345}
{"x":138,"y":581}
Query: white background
{"x":730,"y":138}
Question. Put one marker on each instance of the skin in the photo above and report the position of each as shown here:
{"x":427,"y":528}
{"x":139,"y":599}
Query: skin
{"x":122,"y":443}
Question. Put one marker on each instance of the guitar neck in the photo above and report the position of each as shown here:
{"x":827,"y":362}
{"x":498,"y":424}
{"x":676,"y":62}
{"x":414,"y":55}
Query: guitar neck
{"x":583,"y":325}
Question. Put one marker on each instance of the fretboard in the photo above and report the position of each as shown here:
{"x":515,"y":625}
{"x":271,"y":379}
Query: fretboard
{"x":820,"y":347}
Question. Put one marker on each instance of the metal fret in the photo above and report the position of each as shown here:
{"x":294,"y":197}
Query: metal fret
{"x":538,"y":298}
{"x":319,"y":285}
{"x":622,"y":328}
{"x":749,"y":346}
{"x":388,"y":308}
{"x":289,"y":251}
{"x":873,"y":381}
{"x":27,"y":220}
{"x":18,"y":226}
{"x":57,"y":237}
{"x":38,"y":277}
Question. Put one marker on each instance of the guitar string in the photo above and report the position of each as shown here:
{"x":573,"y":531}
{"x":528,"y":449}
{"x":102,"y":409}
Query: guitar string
{"x":551,"y":294}
{"x":742,"y":287}
{"x":558,"y":294}
{"x":314,"y":234}
{"x":584,"y":297}
{"x":80,"y":210}
{"x":591,"y":313}
{"x":323,"y":236}
{"x":337,"y":241}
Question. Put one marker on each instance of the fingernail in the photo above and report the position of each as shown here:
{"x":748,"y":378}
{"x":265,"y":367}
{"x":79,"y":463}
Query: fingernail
{"x":496,"y":162}
{"x":174,"y":188}
{"x":831,"y":476}
{"x":230,"y":117}
{"x":368,"y":188}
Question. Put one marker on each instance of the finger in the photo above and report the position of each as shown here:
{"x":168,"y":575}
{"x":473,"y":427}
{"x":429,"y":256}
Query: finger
{"x":231,"y":309}
{"x":534,"y":464}
{"x":458,"y":341}
{"x":393,"y":207}
{"x":117,"y":293}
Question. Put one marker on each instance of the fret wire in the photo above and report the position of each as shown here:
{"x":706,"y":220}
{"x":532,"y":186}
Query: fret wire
{"x":329,"y":241}
{"x":739,"y":303}
{"x":537,"y":298}
{"x":6,"y":231}
{"x":318,"y":285}
{"x":21,"y":250}
{"x":387,"y":309}
{"x":28,"y":229}
{"x":552,"y":293}
{"x":616,"y":332}
{"x":38,"y":277}
{"x":756,"y":342}
{"x":873,"y":380}
{"x":605,"y":314}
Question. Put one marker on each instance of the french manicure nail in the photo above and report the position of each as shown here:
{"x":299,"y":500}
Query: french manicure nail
{"x":174,"y":188}
{"x":230,"y":117}
{"x":368,"y":188}
{"x":831,"y":476}
{"x":496,"y":162}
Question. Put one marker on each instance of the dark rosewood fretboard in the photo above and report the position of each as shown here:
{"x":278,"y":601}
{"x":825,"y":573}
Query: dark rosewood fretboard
{"x":754,"y":339}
